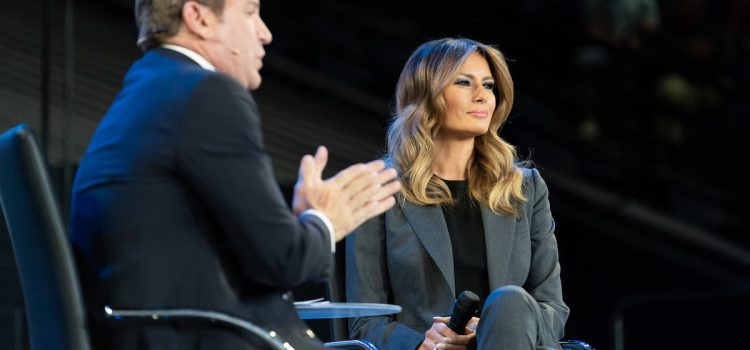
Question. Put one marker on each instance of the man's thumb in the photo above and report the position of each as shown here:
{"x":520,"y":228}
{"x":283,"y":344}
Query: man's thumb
{"x":321,"y":159}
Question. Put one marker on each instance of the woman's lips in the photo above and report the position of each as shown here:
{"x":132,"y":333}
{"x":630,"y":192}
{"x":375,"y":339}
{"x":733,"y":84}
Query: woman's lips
{"x":479,"y":113}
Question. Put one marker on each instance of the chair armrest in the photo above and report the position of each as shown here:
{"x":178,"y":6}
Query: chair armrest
{"x":268,"y":337}
{"x":351,"y":345}
{"x":575,"y":345}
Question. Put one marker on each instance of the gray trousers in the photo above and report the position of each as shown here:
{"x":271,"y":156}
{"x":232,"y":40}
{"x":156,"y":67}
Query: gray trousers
{"x":511,"y":320}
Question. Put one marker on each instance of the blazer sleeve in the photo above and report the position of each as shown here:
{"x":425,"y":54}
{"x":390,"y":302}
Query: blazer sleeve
{"x":543,"y":282}
{"x":367,"y":282}
{"x":220,"y":154}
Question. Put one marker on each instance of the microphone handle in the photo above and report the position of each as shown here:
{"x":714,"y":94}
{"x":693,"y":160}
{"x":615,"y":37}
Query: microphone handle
{"x":464,"y":308}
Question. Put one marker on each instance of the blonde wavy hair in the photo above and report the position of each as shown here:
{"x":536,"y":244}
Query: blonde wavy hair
{"x":493,"y":175}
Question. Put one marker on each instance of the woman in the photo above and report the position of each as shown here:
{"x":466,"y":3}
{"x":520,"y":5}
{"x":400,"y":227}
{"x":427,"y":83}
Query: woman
{"x":468,"y":216}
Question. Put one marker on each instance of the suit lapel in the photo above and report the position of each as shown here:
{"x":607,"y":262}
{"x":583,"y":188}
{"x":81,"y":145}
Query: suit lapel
{"x":499,"y":231}
{"x":429,"y":225}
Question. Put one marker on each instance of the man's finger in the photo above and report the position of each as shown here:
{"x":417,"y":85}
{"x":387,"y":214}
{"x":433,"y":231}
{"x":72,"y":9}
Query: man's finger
{"x":387,"y":178}
{"x":306,"y":169}
{"x":376,"y":165}
{"x":375,"y":192}
{"x":345,"y":176}
{"x":385,"y":191}
{"x":384,"y":205}
{"x":371,"y":209}
{"x":359,"y":189}
{"x":363,"y":186}
{"x":321,"y":159}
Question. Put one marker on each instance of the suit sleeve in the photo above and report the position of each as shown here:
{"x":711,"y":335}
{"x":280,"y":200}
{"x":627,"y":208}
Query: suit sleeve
{"x":367,"y":282}
{"x":543,"y":282}
{"x":220,"y":154}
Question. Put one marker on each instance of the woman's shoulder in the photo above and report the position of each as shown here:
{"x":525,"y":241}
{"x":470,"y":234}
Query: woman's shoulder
{"x":532,"y":179}
{"x":528,"y":170}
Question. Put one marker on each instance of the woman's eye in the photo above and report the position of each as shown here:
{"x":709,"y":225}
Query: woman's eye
{"x":489,"y":85}
{"x":463,"y":82}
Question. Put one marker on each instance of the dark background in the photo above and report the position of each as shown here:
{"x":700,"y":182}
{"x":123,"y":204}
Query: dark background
{"x":635,"y":112}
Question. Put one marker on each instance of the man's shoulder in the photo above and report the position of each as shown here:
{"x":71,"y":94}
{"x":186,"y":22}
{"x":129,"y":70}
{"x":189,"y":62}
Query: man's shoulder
{"x":158,"y":72}
{"x":223,"y":92}
{"x":187,"y":67}
{"x":164,"y":64}
{"x":178,"y":74}
{"x":219,"y":84}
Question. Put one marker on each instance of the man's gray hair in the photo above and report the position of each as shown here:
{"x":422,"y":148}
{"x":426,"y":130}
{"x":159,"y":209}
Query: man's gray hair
{"x":158,"y":20}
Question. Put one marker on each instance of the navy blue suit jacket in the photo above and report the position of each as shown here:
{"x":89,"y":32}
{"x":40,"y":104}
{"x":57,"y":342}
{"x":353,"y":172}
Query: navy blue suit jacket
{"x":175,"y":205}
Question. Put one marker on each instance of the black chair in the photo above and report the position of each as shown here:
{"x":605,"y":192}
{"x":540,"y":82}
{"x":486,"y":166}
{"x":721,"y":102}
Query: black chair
{"x":54,"y":303}
{"x":336,"y":291}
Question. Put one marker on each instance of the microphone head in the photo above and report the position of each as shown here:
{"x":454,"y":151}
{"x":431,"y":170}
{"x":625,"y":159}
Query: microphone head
{"x":467,"y":300}
{"x":464,"y":308}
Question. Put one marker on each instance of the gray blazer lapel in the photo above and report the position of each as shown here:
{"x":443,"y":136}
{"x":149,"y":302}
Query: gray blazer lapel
{"x":429,"y":224}
{"x":499,"y":231}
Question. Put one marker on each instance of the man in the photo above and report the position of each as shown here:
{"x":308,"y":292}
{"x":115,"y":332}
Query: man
{"x":175,"y":204}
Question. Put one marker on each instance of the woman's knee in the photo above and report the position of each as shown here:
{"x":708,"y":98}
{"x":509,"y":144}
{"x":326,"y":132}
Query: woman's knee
{"x":511,"y":299}
{"x":508,"y":318}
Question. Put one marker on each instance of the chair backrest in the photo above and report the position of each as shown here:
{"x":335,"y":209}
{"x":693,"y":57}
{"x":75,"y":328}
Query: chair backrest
{"x":336,"y":292}
{"x":54,"y":305}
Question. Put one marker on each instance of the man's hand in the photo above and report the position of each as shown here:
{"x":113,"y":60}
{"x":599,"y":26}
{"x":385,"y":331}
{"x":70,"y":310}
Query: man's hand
{"x":310,"y":175}
{"x":352,"y":196}
{"x":439,"y":336}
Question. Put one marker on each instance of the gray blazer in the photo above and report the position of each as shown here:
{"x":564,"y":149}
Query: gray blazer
{"x":404,"y":257}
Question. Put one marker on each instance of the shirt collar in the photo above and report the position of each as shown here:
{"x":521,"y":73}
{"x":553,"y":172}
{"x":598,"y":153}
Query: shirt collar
{"x":200,"y":60}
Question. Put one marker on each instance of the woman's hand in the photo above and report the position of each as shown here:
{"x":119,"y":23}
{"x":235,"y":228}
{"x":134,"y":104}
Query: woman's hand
{"x":439,"y":336}
{"x":472,"y":325}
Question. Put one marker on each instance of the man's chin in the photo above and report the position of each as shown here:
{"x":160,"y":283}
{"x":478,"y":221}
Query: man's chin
{"x":254,"y":82}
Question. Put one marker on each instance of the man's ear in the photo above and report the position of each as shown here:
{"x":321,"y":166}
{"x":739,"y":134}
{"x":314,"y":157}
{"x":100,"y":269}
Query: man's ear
{"x":198,"y":19}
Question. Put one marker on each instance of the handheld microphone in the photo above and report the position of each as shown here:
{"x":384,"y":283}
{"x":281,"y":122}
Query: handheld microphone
{"x":464,"y":308}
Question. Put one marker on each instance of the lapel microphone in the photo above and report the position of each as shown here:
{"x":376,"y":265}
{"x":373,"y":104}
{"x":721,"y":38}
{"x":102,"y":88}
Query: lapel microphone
{"x":464,"y":308}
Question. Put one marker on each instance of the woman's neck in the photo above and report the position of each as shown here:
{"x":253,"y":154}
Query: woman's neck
{"x":451,"y":158}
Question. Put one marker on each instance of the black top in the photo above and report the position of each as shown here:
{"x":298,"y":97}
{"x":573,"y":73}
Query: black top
{"x":464,"y":221}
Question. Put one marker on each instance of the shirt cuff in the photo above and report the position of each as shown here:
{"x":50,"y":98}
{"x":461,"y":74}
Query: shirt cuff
{"x":327,"y":222}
